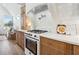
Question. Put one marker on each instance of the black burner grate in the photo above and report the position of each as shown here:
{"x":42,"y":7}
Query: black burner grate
{"x":38,"y":31}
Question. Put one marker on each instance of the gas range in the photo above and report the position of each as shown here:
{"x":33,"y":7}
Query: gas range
{"x":35,"y":33}
{"x":32,"y":42}
{"x":38,"y":31}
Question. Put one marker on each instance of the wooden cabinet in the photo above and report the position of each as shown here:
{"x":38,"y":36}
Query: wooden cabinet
{"x":53,"y":47}
{"x":75,"y":50}
{"x":23,"y":17}
{"x":20,"y":39}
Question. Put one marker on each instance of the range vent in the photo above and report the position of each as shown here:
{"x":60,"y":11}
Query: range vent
{"x":40,"y":8}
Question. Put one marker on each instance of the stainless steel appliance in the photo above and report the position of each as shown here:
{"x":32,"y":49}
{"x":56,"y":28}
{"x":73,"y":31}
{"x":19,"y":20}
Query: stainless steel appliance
{"x":32,"y":42}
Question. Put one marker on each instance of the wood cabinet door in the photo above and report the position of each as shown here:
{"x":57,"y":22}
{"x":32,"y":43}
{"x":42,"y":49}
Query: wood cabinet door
{"x":23,"y":17}
{"x":53,"y":47}
{"x":76,"y":50}
{"x":54,"y":51}
{"x":20,"y":39}
{"x":43,"y":46}
{"x":17,"y":37}
{"x":43,"y":49}
{"x":59,"y":48}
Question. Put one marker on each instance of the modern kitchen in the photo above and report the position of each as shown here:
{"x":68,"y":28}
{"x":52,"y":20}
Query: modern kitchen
{"x":43,"y":28}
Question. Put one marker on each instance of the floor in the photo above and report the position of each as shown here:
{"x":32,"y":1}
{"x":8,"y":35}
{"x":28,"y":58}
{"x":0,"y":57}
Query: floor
{"x":9,"y":47}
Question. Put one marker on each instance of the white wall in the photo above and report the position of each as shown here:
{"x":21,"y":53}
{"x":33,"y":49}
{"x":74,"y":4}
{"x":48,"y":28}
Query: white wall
{"x":66,"y":13}
{"x":48,"y":23}
{"x":30,"y":6}
{"x":61,"y":13}
{"x":45,"y":23}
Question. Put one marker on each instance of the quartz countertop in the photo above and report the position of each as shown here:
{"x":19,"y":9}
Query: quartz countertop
{"x":22,"y":30}
{"x":72,"y":39}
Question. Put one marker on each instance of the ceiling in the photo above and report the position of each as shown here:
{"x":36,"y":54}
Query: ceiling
{"x":12,"y":9}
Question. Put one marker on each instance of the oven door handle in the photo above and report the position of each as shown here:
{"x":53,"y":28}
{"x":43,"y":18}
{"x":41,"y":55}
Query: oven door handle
{"x":35,"y":40}
{"x":32,"y":38}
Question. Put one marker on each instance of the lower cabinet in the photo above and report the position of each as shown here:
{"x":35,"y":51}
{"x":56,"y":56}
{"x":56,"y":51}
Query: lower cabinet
{"x":20,"y":38}
{"x":76,"y":50}
{"x":53,"y":47}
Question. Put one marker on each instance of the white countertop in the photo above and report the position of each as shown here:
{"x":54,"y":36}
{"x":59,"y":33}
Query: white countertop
{"x":74,"y":39}
{"x":22,"y":30}
{"x":64,"y":38}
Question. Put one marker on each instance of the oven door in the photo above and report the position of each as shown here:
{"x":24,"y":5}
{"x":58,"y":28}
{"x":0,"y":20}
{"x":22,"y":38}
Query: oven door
{"x":31,"y":45}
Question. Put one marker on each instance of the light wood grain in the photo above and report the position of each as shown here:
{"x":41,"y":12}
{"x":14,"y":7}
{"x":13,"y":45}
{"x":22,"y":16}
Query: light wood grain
{"x":20,"y":39}
{"x":53,"y":47}
{"x":76,"y":50}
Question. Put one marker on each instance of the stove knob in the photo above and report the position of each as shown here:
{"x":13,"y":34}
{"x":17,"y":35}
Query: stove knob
{"x":30,"y":34}
{"x":34,"y":35}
